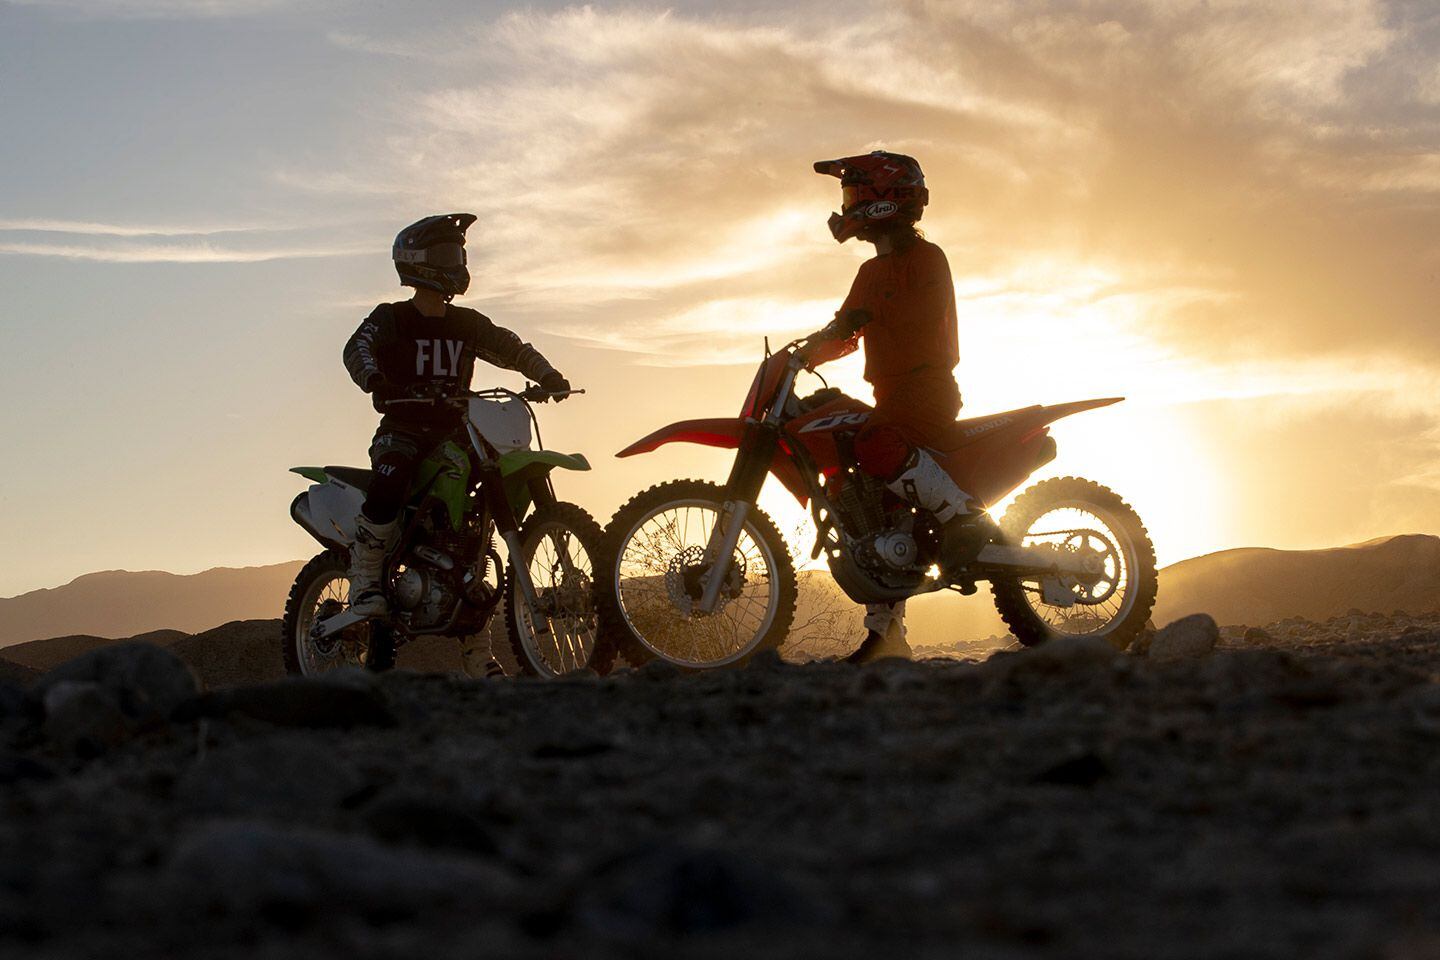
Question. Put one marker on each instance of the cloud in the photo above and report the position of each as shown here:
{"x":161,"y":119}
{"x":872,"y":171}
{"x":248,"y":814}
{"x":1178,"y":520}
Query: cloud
{"x":173,"y":253}
{"x":42,"y":225}
{"x":1264,"y":175}
{"x":170,"y":243}
{"x":159,"y":9}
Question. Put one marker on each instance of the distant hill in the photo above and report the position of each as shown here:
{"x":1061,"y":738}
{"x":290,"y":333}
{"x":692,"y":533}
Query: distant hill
{"x":1251,"y":586}
{"x":1246,"y":586}
{"x":118,"y":603}
{"x":44,"y":654}
{"x":1258,"y":585}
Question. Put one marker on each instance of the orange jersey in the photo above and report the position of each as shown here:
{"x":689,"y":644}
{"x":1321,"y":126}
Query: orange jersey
{"x":911,"y":302}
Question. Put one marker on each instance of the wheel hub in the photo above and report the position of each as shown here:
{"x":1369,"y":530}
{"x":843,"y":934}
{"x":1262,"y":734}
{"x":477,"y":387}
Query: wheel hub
{"x":685,"y":580}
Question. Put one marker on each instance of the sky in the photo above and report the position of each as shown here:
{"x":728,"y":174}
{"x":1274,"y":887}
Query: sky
{"x":1227,"y":212}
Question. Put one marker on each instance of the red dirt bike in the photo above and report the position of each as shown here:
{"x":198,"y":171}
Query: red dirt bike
{"x":694,"y":573}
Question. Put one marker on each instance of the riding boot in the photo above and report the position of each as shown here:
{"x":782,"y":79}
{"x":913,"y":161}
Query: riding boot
{"x":924,"y":483}
{"x":367,"y":562}
{"x":885,"y":623}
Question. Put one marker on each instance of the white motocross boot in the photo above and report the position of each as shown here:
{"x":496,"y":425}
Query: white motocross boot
{"x":885,"y":634}
{"x":367,"y":562}
{"x":924,"y":483}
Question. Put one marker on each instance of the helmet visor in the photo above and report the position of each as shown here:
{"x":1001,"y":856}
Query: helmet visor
{"x":445,"y":255}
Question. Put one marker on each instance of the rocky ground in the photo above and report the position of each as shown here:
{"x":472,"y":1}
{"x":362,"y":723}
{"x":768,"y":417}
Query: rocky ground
{"x":1277,"y":796}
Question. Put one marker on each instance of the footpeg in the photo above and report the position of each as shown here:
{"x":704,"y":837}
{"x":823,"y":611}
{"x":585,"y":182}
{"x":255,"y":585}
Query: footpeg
{"x":332,"y":625}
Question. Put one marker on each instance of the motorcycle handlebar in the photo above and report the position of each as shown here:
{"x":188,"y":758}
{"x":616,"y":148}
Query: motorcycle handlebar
{"x":533,"y":393}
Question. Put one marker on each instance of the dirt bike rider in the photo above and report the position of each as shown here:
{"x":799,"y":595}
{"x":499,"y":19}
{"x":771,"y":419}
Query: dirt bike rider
{"x":424,"y":346}
{"x":903,"y":304}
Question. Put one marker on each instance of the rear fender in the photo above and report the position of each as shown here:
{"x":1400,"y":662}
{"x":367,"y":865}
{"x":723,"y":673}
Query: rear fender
{"x":327,"y":512}
{"x":1001,"y":451}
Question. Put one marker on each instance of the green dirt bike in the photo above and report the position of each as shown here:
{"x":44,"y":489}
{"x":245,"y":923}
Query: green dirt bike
{"x":445,"y":577}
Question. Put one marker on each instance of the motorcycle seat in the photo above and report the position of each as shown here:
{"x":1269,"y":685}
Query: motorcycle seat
{"x":964,"y":432}
{"x":357,"y":477}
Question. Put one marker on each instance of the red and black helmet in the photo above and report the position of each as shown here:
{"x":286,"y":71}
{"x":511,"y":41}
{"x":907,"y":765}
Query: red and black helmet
{"x":430,"y":253}
{"x":879,"y":189}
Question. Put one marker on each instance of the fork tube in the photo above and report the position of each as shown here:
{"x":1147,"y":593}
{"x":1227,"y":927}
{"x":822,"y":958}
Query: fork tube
{"x":727,"y":529}
{"x":752,"y":464}
{"x":508,"y":527}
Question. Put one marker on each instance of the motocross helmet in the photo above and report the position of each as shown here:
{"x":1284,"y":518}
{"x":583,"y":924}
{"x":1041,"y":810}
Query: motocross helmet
{"x":878,"y":190}
{"x":430,"y":253}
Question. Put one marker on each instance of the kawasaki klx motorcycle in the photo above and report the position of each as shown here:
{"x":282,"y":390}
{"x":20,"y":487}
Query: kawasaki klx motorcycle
{"x":484,"y":489}
{"x":696,"y":574}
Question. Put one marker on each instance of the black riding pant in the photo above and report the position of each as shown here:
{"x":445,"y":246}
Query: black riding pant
{"x":398,"y":448}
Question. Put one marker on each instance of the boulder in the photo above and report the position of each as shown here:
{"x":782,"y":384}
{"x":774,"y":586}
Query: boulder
{"x":677,"y":891}
{"x":147,"y":682}
{"x":337,"y":699}
{"x":85,"y":718}
{"x":246,"y":873}
{"x":1192,"y":636}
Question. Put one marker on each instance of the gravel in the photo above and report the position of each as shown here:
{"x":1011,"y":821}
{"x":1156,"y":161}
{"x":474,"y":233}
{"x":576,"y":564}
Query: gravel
{"x":1276,"y":797}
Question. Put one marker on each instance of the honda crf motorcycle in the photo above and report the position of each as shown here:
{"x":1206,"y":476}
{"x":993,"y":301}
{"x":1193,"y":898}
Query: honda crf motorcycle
{"x":695,"y":573}
{"x":484,"y":489}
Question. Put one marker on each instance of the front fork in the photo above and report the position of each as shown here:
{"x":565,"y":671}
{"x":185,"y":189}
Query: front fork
{"x":742,"y":489}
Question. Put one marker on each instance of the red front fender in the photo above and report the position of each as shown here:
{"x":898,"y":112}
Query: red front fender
{"x":724,"y":432}
{"x":718,"y":432}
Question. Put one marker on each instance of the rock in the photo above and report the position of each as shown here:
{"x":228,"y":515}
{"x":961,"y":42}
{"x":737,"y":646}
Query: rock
{"x":1064,"y":654}
{"x":146,"y":681}
{"x":278,"y":776}
{"x":1258,"y":635}
{"x":12,"y":700}
{"x":677,"y":891}
{"x":1192,"y":636}
{"x":658,"y":670}
{"x":428,"y":821}
{"x":14,"y":767}
{"x":340,"y":698}
{"x":1082,"y":770}
{"x":766,"y":660}
{"x":85,"y":719}
{"x":247,"y":873}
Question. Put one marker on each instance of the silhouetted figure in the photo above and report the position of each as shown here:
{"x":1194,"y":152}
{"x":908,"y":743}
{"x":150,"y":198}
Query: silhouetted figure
{"x":425,"y":346}
{"x":902,"y":304}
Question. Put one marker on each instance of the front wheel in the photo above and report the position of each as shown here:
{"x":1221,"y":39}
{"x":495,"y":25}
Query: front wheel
{"x":1082,"y":519}
{"x":320,"y":591}
{"x":653,"y":574}
{"x":560,"y":542}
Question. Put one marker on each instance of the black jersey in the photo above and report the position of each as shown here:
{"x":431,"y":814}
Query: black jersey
{"x":410,"y":349}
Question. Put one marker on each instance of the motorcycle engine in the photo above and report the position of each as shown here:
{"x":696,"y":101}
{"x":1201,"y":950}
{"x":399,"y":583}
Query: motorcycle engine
{"x":879,"y":544}
{"x":426,"y":588}
{"x":896,"y":548}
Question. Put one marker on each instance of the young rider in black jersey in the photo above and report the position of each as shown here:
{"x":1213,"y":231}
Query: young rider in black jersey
{"x":422,"y":346}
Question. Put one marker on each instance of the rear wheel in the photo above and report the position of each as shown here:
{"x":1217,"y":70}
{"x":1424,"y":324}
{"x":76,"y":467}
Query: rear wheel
{"x":560,"y":542}
{"x":1086,"y":520}
{"x":320,"y":591}
{"x":652,"y":568}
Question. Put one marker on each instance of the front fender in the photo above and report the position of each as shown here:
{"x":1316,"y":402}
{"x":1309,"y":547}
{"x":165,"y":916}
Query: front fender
{"x":724,"y":432}
{"x":519,"y":468}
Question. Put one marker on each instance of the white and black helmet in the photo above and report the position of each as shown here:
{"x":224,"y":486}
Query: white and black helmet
{"x":430,"y":253}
